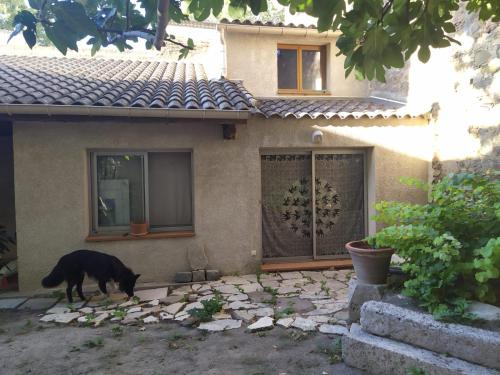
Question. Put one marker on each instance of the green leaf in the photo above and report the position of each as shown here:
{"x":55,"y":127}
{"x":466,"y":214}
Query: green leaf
{"x":424,"y":53}
{"x":449,"y":27}
{"x":35,"y":4}
{"x":393,"y":56}
{"x":30,"y":37}
{"x":326,"y":11}
{"x":376,"y":41}
{"x":56,"y":39}
{"x":95,"y":47}
{"x":74,"y":17}
{"x":17,"y":29}
{"x":257,"y":6}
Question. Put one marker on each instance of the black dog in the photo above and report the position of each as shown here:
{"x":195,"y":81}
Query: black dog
{"x":102,"y":267}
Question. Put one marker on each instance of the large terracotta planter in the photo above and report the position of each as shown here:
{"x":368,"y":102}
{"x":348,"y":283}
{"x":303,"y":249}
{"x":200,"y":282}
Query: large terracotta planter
{"x":371,"y":265}
{"x":139,"y":229}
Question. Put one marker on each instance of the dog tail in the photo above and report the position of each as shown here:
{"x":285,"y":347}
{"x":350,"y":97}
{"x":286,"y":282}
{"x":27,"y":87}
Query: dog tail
{"x":54,"y":278}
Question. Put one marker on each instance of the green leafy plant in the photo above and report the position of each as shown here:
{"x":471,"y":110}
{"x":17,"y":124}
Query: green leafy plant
{"x":117,"y":331}
{"x":210,"y":307}
{"x":450,"y":246}
{"x":287,"y":311}
{"x":324,"y":288}
{"x":333,"y":350}
{"x":89,"y":318}
{"x":98,"y":342}
{"x":274,"y":295}
{"x":416,"y":371}
{"x":119,"y":313}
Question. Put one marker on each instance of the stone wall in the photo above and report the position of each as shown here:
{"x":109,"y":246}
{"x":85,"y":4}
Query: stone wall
{"x":462,"y":85}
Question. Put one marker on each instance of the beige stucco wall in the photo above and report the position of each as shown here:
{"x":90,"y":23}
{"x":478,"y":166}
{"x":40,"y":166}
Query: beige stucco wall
{"x":252,"y":58}
{"x":52,"y":194}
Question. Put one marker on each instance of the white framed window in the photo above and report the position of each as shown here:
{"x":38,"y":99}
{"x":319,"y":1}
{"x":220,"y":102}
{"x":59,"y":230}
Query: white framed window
{"x":141,"y":186}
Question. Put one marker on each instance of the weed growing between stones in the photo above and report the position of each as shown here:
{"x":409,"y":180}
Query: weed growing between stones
{"x":324,"y":288}
{"x":289,"y":310}
{"x":59,"y":294}
{"x":117,"y":331}
{"x":416,"y":371}
{"x":119,"y":313}
{"x":274,"y":295}
{"x":98,"y":342}
{"x":333,"y":351}
{"x":210,"y":307}
{"x":88,"y":319}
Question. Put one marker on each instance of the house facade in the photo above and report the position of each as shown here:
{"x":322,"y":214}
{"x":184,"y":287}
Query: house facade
{"x":281,"y":159}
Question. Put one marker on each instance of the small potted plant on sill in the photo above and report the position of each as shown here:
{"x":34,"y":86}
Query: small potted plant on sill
{"x":371,"y":264}
{"x":139,"y":227}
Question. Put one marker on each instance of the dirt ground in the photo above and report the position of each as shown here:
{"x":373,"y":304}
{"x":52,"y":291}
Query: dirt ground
{"x":29,"y":347}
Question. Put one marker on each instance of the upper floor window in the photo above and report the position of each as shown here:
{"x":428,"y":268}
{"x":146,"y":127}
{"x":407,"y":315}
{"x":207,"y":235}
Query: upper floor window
{"x":301,"y":69}
{"x":153,"y":187}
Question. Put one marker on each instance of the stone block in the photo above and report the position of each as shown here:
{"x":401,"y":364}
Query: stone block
{"x":382,"y":356}
{"x":151,"y":294}
{"x":196,"y":257}
{"x":360,"y":293}
{"x":485,"y":312}
{"x":220,"y":325}
{"x":262,"y":324}
{"x":38,"y":303}
{"x":213,"y":275}
{"x":10,"y":303}
{"x":183,"y":277}
{"x":199,"y":275}
{"x":419,"y":329}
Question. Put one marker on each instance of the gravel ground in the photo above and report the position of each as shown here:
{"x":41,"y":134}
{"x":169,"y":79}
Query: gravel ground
{"x":29,"y":347}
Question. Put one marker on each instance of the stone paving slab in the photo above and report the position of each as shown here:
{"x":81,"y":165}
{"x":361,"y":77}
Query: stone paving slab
{"x":175,"y":303}
{"x":38,"y":303}
{"x":10,"y":303}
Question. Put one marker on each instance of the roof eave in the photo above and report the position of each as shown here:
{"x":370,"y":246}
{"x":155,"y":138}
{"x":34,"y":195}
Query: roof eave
{"x":82,"y":110}
{"x":278,"y":30}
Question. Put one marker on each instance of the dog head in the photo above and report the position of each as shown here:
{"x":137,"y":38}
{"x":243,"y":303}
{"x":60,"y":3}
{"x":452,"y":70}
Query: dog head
{"x":127,"y":284}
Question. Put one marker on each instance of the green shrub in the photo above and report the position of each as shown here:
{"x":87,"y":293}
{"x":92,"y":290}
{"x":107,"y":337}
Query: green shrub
{"x":210,"y":307}
{"x":451,"y":245}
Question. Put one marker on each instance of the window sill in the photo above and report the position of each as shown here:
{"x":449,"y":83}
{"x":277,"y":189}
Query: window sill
{"x":128,"y":237}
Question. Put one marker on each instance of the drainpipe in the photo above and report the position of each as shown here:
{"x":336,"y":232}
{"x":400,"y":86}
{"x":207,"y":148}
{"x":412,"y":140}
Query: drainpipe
{"x":223,"y":50}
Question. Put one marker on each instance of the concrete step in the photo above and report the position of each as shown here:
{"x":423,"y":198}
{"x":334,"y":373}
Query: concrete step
{"x":468,"y":343}
{"x":382,"y":356}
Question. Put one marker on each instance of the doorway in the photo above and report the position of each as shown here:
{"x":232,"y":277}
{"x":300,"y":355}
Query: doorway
{"x":313,"y":203}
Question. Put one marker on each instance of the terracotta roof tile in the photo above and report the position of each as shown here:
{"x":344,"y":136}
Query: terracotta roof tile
{"x":118,"y":83}
{"x":335,"y":107}
{"x":268,"y":23}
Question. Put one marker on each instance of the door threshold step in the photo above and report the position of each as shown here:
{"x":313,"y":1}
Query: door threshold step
{"x":311,"y":265}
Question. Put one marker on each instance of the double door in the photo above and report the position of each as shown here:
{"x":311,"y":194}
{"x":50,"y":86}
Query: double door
{"x":313,"y":203}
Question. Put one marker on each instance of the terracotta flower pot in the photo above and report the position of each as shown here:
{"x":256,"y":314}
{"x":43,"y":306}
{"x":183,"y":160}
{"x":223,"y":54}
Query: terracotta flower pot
{"x":139,"y":229}
{"x":371,"y":265}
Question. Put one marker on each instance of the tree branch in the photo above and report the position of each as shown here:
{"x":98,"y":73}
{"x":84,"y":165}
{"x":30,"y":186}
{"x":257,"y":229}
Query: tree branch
{"x":127,"y":13}
{"x":163,"y":18}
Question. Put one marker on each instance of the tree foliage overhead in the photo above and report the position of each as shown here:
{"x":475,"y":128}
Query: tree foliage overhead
{"x":374,"y":34}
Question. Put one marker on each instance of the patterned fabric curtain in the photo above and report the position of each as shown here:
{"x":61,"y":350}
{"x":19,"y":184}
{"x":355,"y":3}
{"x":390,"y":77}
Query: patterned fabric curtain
{"x":343,"y":176}
{"x":287,"y":207}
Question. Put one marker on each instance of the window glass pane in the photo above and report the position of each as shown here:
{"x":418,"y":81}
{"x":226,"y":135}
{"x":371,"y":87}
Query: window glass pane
{"x":287,"y":69}
{"x":170,"y":189}
{"x":120,"y":190}
{"x":311,"y":70}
